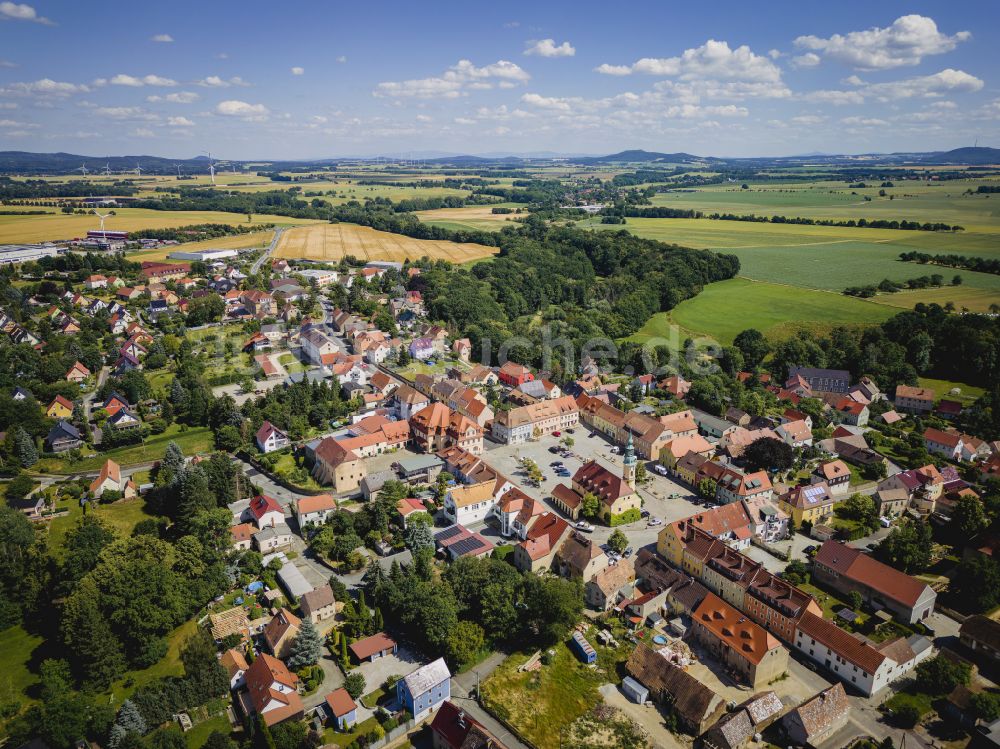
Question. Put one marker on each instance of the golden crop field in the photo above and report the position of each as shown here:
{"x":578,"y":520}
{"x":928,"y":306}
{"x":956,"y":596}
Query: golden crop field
{"x":335,"y":241}
{"x":59,"y":226}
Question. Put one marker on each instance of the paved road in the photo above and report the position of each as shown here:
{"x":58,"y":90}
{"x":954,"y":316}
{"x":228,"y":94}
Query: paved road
{"x":267,"y":253}
{"x":461,"y":687}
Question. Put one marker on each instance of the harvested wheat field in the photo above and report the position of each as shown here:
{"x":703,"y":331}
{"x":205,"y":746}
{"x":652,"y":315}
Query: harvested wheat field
{"x":335,"y":241}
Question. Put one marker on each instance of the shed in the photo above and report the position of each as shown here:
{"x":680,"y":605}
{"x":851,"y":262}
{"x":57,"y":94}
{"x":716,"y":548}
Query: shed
{"x":635,"y":691}
{"x":584,"y":650}
{"x":293,"y":581}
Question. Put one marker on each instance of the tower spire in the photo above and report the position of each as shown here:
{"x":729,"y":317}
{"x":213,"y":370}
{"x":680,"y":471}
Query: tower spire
{"x":628,"y":471}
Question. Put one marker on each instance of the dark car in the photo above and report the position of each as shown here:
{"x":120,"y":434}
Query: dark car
{"x":809,"y":549}
{"x":553,"y":449}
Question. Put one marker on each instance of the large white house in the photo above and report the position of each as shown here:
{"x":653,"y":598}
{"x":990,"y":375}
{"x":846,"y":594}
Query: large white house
{"x":270,"y":438}
{"x":472,"y":503}
{"x":518,"y":425}
{"x":317,"y":346}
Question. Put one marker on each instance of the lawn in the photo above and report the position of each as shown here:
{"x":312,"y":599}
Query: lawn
{"x":724,"y":309}
{"x":16,"y":649}
{"x":830,"y":603}
{"x":122,"y":516}
{"x":943,"y":388}
{"x":192,"y":440}
{"x":540,"y":703}
{"x":284,"y":468}
{"x":198,"y":735}
{"x":337,"y":738}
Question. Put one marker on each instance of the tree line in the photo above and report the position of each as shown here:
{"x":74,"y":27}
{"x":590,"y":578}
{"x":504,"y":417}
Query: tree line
{"x":965,"y":262}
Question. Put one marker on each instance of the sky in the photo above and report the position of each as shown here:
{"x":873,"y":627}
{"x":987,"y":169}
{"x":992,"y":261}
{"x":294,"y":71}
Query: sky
{"x":309,"y":80}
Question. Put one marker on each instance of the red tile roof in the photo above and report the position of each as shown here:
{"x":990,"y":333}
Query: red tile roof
{"x":852,"y":564}
{"x":743,"y":636}
{"x":847,"y":646}
{"x":341,"y":703}
{"x":367,"y":647}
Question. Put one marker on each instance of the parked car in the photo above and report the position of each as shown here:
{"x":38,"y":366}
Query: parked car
{"x":809,"y":549}
{"x":570,"y":431}
{"x":615,"y":450}
{"x":660,"y":469}
{"x":553,"y":449}
{"x":654,"y":522}
{"x":557,"y":434}
{"x":644,"y":513}
{"x":555,"y":463}
{"x":584,"y":526}
{"x":627,"y":553}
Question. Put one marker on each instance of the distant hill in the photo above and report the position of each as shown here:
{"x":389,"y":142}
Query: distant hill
{"x":638,"y":156}
{"x":973,"y":155}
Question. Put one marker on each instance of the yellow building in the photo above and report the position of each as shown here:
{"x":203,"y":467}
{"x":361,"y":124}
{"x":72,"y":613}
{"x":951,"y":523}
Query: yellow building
{"x":812,"y":502}
{"x":59,"y":408}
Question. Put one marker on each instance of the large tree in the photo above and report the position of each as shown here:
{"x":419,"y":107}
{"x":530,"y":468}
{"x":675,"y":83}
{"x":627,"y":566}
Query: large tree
{"x":770,"y":454}
{"x":306,"y":648}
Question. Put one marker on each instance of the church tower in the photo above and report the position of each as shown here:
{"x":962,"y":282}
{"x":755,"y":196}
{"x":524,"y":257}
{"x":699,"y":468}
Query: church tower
{"x":628,"y":472}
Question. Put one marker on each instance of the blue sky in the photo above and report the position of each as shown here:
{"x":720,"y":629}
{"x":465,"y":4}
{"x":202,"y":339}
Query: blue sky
{"x":319,"y":79}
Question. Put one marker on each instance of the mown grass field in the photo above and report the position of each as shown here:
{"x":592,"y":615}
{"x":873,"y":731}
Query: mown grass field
{"x":58,"y":226}
{"x":335,"y":241}
{"x":477,"y":217}
{"x":724,"y":309}
{"x":17,"y":647}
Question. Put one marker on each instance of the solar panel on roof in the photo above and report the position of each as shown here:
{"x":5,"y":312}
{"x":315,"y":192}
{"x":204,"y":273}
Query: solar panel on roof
{"x":467,"y":546}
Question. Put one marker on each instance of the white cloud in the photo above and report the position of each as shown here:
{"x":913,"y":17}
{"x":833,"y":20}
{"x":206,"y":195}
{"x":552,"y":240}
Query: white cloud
{"x":808,"y":60}
{"x":7,"y":64}
{"x":177,"y":97}
{"x":863,"y":121}
{"x":908,"y":40}
{"x":713,"y":59}
{"x":142,"y":132}
{"x":837,"y":98}
{"x":16,"y":124}
{"x":342,"y":59}
{"x":298,"y":71}
{"x":926,"y":85}
{"x":214,"y":81}
{"x":464,"y":121}
{"x":606,"y":69}
{"x":808,"y":119}
{"x":162,"y":38}
{"x":650,"y":106}
{"x":149,"y":80}
{"x":179,"y":122}
{"x":21,"y":12}
{"x":125,"y":113}
{"x":424,"y":118}
{"x":45,"y":87}
{"x":547,"y":102}
{"x":242,"y":109}
{"x":455,"y":81}
{"x":549,"y":48}
{"x":774,"y":54}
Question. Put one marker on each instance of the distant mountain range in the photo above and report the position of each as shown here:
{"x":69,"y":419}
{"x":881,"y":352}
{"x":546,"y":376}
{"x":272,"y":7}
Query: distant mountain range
{"x":27,"y":163}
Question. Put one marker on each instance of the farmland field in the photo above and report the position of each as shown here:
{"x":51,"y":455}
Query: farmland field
{"x":480,"y":217}
{"x":724,"y":309}
{"x":335,"y":241}
{"x":257,"y":239}
{"x":58,"y":226}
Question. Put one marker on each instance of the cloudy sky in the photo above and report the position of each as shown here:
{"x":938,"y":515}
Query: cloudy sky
{"x":320,"y":79}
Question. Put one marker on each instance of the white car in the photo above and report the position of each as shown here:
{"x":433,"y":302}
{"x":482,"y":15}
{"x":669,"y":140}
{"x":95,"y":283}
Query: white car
{"x":584,"y":526}
{"x":660,"y":469}
{"x":654,"y":521}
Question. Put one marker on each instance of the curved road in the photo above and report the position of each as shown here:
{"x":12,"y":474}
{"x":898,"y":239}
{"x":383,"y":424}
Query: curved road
{"x":267,"y":253}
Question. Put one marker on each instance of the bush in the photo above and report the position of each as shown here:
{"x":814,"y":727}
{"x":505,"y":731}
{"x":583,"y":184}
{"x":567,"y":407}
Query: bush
{"x":908,"y":716}
{"x":629,"y":516}
{"x":354,"y":683}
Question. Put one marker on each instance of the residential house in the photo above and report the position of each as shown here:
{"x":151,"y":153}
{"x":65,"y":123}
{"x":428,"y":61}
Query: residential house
{"x":264,"y":510}
{"x":914,"y":399}
{"x":408,"y":401}
{"x":436,"y":427}
{"x":696,"y":706}
{"x":467,"y":504}
{"x":601,"y":591}
{"x":341,"y":708}
{"x":318,"y":604}
{"x":745,"y":649}
{"x":823,"y":380}
{"x":735,"y":485}
{"x":849,"y":411}
{"x":846,"y":569}
{"x":818,"y":718}
{"x":676,"y":385}
{"x":409,"y":507}
{"x":96,"y":282}
{"x":77,"y":373}
{"x":462,"y":348}
{"x":835,"y":474}
{"x":809,"y":503}
{"x":513,"y":374}
{"x":241,"y":536}
{"x":272,"y":690}
{"x":59,"y":408}
{"x":457,"y":541}
{"x":280,"y":632}
{"x":338,"y":466}
{"x":269,"y":438}
{"x":235,"y":664}
{"x":314,"y":509}
{"x":681,"y":447}
{"x":425,"y":689}
{"x":795,"y":433}
{"x":123,"y":419}
{"x":110,"y":479}
{"x":62,"y":437}
{"x":891,"y":502}
{"x":981,"y":635}
{"x":733,"y":524}
{"x":317,"y":347}
{"x":373,"y":647}
{"x":738,"y":728}
{"x":273,"y":538}
{"x":543,"y":536}
{"x":580,"y":557}
{"x":453,"y":728}
{"x":649,"y":435}
{"x":518,"y":425}
{"x":422,"y":348}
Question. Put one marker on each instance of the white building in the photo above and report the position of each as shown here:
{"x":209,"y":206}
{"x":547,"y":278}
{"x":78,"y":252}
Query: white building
{"x":470,"y":504}
{"x":20,"y":253}
{"x":202,"y":255}
{"x":317,"y":347}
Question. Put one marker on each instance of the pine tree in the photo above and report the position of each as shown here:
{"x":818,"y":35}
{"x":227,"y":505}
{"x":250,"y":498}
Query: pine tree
{"x":98,"y":653}
{"x":364,"y":615}
{"x":343,"y":648}
{"x":373,"y":579}
{"x":27,"y":453}
{"x":130,"y":718}
{"x":172,"y":465}
{"x":307,"y":647}
{"x":379,"y":624}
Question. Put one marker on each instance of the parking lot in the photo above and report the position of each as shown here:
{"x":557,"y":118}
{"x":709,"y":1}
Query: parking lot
{"x":656,"y":493}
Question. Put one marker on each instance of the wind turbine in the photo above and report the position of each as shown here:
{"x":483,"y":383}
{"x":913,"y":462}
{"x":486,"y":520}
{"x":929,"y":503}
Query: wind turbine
{"x":138,"y":169}
{"x":82,"y":168}
{"x":211,"y":166}
{"x":178,"y":170}
{"x":107,"y":169}
{"x":102,"y":217}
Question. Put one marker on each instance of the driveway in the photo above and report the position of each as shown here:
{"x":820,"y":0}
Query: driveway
{"x":648,"y":716}
{"x":403,"y":663}
{"x":333,"y":678}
